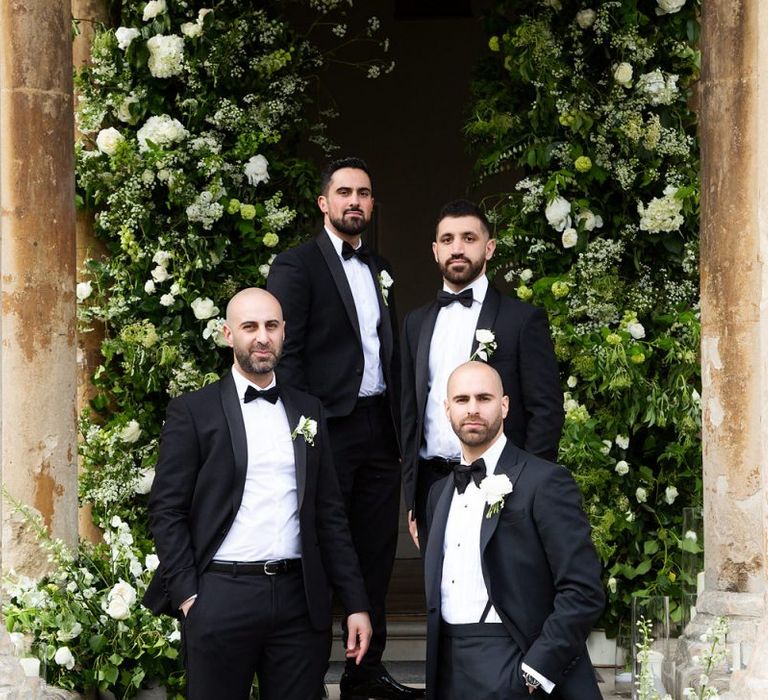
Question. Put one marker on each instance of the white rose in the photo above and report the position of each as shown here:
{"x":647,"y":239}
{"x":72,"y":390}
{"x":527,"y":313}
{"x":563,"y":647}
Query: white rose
{"x":586,"y":18}
{"x":160,"y":274}
{"x":83,"y":291}
{"x":124,"y":110}
{"x":670,"y":494}
{"x":558,"y":213}
{"x":154,"y":8}
{"x":146,"y":479}
{"x":622,"y":74}
{"x":569,"y":238}
{"x":167,"y":300}
{"x":166,"y":55}
{"x":612,"y":584}
{"x":191,"y":29}
{"x":636,"y":330}
{"x":570,"y":405}
{"x":125,"y":35}
{"x":256,"y":170}
{"x":591,"y":221}
{"x":63,"y":657}
{"x":108,"y":140}
{"x":131,"y":432}
{"x":264,"y":270}
{"x":135,"y":568}
{"x":386,"y":279}
{"x":669,"y":7}
{"x":203,"y":12}
{"x":118,"y":609}
{"x":495,"y":487}
{"x":123,"y":590}
{"x":606,"y":448}
{"x":161,"y":257}
{"x":215,"y":331}
{"x":175,"y":289}
{"x":572,"y":382}
{"x":622,"y":441}
{"x":691,"y":536}
{"x":204,"y":308}
{"x":621,"y":469}
{"x":526,"y":275}
{"x":151,"y":562}
{"x":485,"y":336}
{"x":174,"y":636}
{"x":71,"y":633}
{"x":641,"y":494}
{"x":149,"y":287}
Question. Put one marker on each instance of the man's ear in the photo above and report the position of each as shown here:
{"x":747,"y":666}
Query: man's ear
{"x":322,"y":203}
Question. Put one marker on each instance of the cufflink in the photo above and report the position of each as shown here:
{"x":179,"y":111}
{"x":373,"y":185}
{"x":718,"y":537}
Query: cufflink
{"x":531,"y":681}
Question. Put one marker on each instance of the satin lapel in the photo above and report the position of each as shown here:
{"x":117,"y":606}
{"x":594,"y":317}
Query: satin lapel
{"x":422,"y":356}
{"x":293,"y":414}
{"x":385,"y":325}
{"x":340,"y":279}
{"x":511,"y":464}
{"x":488,"y":313}
{"x":433,"y":559}
{"x":230,"y":403}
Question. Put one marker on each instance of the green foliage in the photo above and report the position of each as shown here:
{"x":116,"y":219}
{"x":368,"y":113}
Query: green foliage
{"x":587,"y":108}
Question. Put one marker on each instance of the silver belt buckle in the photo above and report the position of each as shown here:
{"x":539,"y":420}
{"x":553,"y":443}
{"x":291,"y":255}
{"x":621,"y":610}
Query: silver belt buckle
{"x":272,"y":572}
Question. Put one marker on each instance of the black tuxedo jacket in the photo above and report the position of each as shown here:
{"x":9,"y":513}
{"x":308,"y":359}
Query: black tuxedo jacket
{"x":198,"y":487}
{"x":524,"y":358}
{"x":540,"y":568}
{"x":323,"y":352}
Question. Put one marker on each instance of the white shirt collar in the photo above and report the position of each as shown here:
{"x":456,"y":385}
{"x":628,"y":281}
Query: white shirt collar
{"x":242,"y":383}
{"x":491,"y":455}
{"x":478,"y":286}
{"x":339,"y":242}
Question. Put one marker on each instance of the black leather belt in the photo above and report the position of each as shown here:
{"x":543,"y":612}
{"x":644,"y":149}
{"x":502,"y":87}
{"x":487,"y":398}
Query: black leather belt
{"x":375,"y":400}
{"x":440,"y":464}
{"x":255,"y":568}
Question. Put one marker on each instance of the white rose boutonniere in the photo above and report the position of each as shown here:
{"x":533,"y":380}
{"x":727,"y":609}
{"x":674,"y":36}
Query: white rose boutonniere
{"x":385,"y":282}
{"x":494,"y":488}
{"x":486,"y":344}
{"x":307,"y":428}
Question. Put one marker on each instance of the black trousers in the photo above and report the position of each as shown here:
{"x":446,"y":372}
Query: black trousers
{"x":244,"y":625}
{"x":481,"y":662}
{"x":364,"y":449}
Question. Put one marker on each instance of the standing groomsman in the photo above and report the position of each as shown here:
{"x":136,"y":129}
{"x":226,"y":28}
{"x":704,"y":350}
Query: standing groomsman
{"x":340,"y":346}
{"x":440,"y":336}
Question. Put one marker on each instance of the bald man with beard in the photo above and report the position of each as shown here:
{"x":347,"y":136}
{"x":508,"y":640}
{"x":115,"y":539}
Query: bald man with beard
{"x":512,"y":578}
{"x":250,"y":527}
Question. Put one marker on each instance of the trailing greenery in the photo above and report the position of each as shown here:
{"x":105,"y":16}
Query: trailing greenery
{"x":192,"y":118}
{"x":584,"y":109}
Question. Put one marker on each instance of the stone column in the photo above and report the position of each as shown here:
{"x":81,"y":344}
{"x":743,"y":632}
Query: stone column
{"x":734,"y":287}
{"x":38,"y":370}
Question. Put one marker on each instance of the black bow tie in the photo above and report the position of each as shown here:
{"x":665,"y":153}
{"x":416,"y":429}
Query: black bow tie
{"x":446,"y":298}
{"x":347,"y":251}
{"x":272,"y":394}
{"x":463,"y":473}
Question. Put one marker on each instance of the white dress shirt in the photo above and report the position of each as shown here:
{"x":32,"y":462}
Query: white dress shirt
{"x":363,"y":288}
{"x":451,"y":346}
{"x":267,"y":523}
{"x":462,"y":588}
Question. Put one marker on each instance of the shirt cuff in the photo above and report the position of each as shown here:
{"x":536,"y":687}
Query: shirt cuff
{"x":192,"y":597}
{"x":546,"y":685}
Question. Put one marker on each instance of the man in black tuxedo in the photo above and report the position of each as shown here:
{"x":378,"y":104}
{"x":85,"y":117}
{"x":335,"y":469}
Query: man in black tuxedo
{"x":250,"y":528}
{"x":512,"y":577}
{"x":341,"y":347}
{"x":441,"y":335}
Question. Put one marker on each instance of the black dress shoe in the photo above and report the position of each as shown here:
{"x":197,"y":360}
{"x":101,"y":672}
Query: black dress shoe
{"x":379,"y":687}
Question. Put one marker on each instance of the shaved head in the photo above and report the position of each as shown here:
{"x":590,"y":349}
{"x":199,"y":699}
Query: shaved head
{"x":475,"y":369}
{"x":250,"y":297}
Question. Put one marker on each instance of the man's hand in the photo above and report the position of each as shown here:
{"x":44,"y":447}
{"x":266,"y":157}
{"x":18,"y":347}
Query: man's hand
{"x":187,"y":604}
{"x":413,"y":529}
{"x":359,"y":638}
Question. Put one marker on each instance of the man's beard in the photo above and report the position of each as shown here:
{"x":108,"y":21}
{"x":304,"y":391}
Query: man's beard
{"x":351,"y":227}
{"x":480,"y":437}
{"x":251,"y":367}
{"x":470,"y":273}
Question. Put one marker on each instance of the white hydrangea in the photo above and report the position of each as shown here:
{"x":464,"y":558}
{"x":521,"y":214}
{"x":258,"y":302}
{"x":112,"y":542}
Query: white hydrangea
{"x":166,"y":55}
{"x":658,"y":89}
{"x":661,"y":213}
{"x":204,"y":210}
{"x":162,"y":131}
